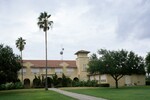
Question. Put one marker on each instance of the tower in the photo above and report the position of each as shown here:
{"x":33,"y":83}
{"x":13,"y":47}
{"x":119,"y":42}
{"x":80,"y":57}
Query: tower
{"x":82,"y":64}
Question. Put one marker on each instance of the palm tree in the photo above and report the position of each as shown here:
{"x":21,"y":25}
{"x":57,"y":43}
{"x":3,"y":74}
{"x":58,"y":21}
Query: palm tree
{"x":20,"y":43}
{"x":45,"y":24}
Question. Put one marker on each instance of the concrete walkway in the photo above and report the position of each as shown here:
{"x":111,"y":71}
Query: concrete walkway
{"x":76,"y":95}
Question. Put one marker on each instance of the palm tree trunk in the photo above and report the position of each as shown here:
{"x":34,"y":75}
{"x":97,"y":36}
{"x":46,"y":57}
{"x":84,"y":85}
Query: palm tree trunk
{"x":46,"y":86}
{"x":21,"y":68}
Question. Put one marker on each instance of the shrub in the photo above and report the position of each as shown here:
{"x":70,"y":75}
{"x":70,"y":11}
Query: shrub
{"x":55,"y":80}
{"x":37,"y":82}
{"x":75,"y":84}
{"x":104,"y":85}
{"x":18,"y":85}
{"x":92,"y":83}
{"x":49,"y":81}
{"x":88,"y":83}
{"x":2,"y":87}
{"x":9,"y":86}
{"x":147,"y":82}
{"x":64,"y":81}
{"x":58,"y":85}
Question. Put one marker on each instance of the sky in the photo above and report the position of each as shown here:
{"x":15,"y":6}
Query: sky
{"x":78,"y":25}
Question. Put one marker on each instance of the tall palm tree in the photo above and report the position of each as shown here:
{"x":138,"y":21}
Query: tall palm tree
{"x":45,"y":24}
{"x":20,"y":43}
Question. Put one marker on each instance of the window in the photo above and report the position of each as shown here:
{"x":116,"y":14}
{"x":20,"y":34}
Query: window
{"x":58,"y":70}
{"x":24,"y":71}
{"x":70,"y":69}
{"x":35,"y":70}
{"x":84,"y":68}
{"x":44,"y":69}
{"x":103,"y":79}
{"x":91,"y":77}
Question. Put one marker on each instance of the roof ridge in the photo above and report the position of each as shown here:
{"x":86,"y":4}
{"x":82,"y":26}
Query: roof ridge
{"x":48,"y":60}
{"x":52,"y":63}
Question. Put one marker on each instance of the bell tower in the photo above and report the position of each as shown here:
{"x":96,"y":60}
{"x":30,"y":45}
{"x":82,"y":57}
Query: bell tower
{"x":82,"y":64}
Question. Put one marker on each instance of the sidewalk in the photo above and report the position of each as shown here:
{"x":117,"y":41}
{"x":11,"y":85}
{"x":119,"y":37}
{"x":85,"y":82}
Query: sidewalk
{"x":76,"y":95}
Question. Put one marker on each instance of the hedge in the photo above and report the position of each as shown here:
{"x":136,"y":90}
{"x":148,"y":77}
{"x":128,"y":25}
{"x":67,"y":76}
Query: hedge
{"x":147,"y":82}
{"x":9,"y":86}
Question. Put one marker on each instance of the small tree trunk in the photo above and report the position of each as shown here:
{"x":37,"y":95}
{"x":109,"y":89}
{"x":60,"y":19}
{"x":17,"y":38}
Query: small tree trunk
{"x":99,"y":78}
{"x":116,"y":83}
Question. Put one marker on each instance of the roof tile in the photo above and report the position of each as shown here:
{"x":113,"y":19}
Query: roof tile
{"x":51,"y":63}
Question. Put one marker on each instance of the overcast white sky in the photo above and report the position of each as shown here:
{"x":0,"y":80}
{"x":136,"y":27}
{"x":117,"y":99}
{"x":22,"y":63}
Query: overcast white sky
{"x":78,"y":25}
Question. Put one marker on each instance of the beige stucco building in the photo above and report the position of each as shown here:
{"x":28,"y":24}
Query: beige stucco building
{"x":73,"y":69}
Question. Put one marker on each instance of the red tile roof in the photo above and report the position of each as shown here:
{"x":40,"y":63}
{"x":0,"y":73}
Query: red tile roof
{"x":51,"y":63}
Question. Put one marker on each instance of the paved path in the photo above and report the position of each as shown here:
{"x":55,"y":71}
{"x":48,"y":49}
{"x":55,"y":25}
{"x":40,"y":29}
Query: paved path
{"x":76,"y":95}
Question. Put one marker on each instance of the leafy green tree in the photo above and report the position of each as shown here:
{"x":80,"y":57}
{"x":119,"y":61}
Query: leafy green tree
{"x":9,"y":65}
{"x":136,"y":64}
{"x":20,"y":43}
{"x":95,"y":65}
{"x":147,"y":60}
{"x":45,"y":24}
{"x":117,"y":64}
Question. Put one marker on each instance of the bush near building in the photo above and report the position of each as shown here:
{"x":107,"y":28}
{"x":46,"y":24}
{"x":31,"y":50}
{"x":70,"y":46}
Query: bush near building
{"x":65,"y":82}
{"x":10,"y":86}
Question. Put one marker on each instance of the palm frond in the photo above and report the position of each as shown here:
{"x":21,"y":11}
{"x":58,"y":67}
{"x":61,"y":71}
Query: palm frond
{"x":41,"y":26}
{"x":43,"y":21}
{"x":48,"y":16}
{"x":45,"y":14}
{"x":40,"y":18}
{"x":20,"y":43}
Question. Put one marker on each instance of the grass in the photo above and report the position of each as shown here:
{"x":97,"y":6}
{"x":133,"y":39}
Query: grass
{"x":32,"y":94}
{"x":124,"y":93}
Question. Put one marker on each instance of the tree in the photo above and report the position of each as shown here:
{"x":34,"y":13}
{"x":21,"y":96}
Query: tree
{"x":9,"y":65}
{"x":147,"y":60}
{"x":45,"y":24}
{"x":118,"y":63}
{"x":95,"y":65}
{"x":20,"y":43}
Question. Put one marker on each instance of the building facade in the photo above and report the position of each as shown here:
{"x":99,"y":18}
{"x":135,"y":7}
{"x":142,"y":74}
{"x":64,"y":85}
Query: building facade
{"x":74,"y":69}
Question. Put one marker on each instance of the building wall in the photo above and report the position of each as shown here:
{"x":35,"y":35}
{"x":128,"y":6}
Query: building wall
{"x":127,"y":80}
{"x":51,"y":71}
{"x":111,"y":81}
{"x":138,"y":79}
{"x":82,"y":64}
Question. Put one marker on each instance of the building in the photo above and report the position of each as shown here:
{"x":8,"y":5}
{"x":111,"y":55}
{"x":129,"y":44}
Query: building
{"x":74,"y":69}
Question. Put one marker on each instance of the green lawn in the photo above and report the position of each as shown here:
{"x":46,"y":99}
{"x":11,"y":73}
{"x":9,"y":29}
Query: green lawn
{"x":125,"y":93}
{"x":32,"y":94}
